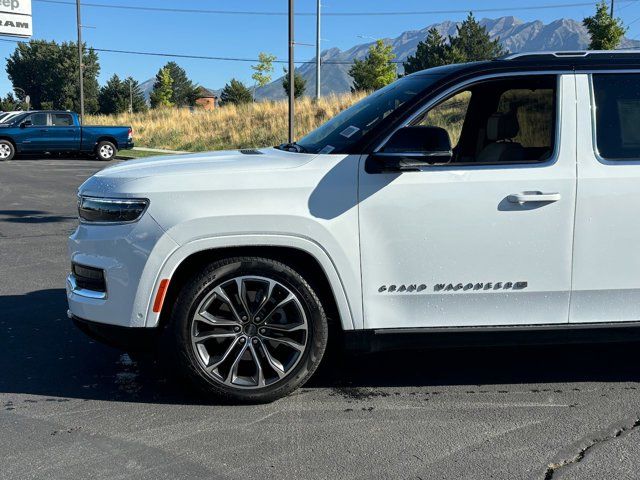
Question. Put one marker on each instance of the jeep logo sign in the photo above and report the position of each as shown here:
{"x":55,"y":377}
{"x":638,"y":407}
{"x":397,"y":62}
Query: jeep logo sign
{"x":15,"y":18}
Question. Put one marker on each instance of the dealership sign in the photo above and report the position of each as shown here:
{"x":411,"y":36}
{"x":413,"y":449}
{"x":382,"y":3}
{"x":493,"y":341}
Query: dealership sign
{"x":15,"y":18}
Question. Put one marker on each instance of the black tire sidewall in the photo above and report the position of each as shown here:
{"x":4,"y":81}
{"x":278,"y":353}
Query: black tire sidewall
{"x":115,"y":151}
{"x":195,"y":291}
{"x":13,"y":150}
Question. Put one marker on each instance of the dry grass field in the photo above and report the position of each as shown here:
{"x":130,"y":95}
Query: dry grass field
{"x":253,"y":125}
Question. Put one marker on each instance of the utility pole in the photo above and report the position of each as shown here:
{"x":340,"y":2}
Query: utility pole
{"x":318,"y":51}
{"x":130,"y":96}
{"x":292,"y":86}
{"x":80,"y":65}
{"x":612,"y":8}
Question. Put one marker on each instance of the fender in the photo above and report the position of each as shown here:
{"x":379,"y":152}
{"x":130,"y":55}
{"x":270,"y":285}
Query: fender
{"x":178,"y":255}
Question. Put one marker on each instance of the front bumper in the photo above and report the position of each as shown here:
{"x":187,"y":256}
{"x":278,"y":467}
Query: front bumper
{"x":130,"y":255}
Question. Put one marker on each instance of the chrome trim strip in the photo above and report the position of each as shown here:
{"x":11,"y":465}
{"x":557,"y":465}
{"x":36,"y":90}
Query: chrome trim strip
{"x":83,"y":292}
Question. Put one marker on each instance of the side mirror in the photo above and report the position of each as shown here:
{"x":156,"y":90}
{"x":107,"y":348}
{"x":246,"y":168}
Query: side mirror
{"x":410,"y":148}
{"x":26,"y":123}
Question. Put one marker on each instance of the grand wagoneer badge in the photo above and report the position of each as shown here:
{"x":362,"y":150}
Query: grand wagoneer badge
{"x":454,"y":287}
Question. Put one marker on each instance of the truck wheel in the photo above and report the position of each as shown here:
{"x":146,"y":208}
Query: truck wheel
{"x":247,"y":330}
{"x":106,"y":151}
{"x":7,"y":150}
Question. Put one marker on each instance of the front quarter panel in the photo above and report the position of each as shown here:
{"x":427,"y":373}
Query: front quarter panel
{"x":312,"y":207}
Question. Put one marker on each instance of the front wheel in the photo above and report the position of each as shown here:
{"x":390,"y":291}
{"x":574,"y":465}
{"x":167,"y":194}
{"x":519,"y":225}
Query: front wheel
{"x":7,"y":150}
{"x":248,"y":329}
{"x":106,"y":151}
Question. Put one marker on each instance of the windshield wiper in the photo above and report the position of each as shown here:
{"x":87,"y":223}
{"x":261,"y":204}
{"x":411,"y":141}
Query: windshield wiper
{"x":292,"y":147}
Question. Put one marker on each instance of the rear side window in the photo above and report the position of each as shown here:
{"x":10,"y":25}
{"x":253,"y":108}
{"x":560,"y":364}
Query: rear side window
{"x":61,"y":120}
{"x":617,"y":103}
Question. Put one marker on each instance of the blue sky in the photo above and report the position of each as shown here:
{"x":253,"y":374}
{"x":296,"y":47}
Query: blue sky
{"x":245,"y":36}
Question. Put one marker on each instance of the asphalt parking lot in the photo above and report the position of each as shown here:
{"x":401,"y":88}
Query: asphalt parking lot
{"x":71,"y":408}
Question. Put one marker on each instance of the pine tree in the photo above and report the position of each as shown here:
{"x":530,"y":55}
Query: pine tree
{"x":299,"y":83}
{"x":473,"y":43}
{"x":185,"y":91}
{"x":432,"y":52}
{"x":606,"y":32}
{"x":136,"y":95}
{"x":112,"y":98}
{"x":376,"y":70}
{"x":235,"y":92}
{"x":162,"y":90}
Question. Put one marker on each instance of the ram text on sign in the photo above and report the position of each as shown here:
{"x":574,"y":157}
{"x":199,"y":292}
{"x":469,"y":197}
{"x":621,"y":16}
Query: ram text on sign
{"x":15,"y":18}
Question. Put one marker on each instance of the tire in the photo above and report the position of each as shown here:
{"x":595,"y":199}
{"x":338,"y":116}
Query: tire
{"x":7,"y":150}
{"x":288,"y":343}
{"x":106,"y":151}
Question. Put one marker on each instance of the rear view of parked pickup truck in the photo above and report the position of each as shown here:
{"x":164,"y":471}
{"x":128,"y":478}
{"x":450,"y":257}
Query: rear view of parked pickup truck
{"x":60,"y":131}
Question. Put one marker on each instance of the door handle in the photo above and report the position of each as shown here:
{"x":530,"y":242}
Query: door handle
{"x":531,"y":197}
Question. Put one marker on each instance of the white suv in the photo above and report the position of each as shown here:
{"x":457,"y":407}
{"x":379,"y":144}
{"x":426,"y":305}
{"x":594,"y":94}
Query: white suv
{"x":484,"y":199}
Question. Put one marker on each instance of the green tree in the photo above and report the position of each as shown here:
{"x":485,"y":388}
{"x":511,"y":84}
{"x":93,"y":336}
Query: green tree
{"x":10,"y":103}
{"x":299,"y":83}
{"x":114,"y":96}
{"x":48,"y":73}
{"x":162,"y":90}
{"x":473,"y":43}
{"x":119,"y":96}
{"x":432,"y":52}
{"x":235,"y":92}
{"x":263,"y":70}
{"x":606,"y":32}
{"x":376,"y":70}
{"x":184,"y":90}
{"x":135,"y":95}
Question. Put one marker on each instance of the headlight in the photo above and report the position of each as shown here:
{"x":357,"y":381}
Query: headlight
{"x":111,"y":210}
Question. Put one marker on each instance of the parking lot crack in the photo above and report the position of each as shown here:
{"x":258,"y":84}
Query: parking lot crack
{"x":584,"y":446}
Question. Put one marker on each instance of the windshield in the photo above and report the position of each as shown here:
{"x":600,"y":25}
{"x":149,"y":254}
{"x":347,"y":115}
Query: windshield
{"x":352,"y":124}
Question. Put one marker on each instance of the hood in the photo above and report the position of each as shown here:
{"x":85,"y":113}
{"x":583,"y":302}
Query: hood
{"x":207,"y":162}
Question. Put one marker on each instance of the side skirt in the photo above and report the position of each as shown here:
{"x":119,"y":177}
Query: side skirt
{"x":435,"y":337}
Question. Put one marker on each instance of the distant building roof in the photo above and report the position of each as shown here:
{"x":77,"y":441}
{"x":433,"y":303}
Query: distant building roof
{"x":206,"y":93}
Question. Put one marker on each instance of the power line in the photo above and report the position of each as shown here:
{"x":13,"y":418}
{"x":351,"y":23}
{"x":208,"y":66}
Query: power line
{"x":196,"y":57}
{"x":327,"y":14}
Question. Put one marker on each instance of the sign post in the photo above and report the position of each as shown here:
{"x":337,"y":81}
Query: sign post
{"x":15,"y":18}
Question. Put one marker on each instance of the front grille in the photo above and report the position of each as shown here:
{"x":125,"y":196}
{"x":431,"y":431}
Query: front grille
{"x":89,"y":278}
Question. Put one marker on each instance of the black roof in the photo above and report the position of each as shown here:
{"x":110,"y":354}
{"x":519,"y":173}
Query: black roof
{"x":536,"y":61}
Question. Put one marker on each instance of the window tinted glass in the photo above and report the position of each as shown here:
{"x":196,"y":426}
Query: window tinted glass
{"x":617,"y":98}
{"x":505,"y":120}
{"x":535,"y":115}
{"x":38,"y":119}
{"x":449,"y":115}
{"x":61,"y":119}
{"x":352,"y":124}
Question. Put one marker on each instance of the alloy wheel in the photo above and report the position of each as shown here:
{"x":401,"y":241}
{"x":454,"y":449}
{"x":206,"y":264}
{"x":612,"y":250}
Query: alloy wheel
{"x":249,"y":332}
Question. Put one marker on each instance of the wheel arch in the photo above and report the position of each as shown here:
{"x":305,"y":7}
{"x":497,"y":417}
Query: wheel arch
{"x":107,"y":138}
{"x":317,"y":269}
{"x":10,"y":140}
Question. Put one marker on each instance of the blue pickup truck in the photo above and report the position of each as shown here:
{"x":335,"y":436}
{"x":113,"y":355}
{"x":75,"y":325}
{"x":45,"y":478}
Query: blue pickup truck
{"x":60,"y":131}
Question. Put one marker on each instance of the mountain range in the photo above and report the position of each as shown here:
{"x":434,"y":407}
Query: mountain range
{"x":514,"y":34}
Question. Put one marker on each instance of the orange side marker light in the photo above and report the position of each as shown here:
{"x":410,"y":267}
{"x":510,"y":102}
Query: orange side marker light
{"x":162,"y":291}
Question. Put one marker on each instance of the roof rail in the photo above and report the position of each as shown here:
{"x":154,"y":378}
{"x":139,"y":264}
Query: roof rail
{"x":567,"y":54}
